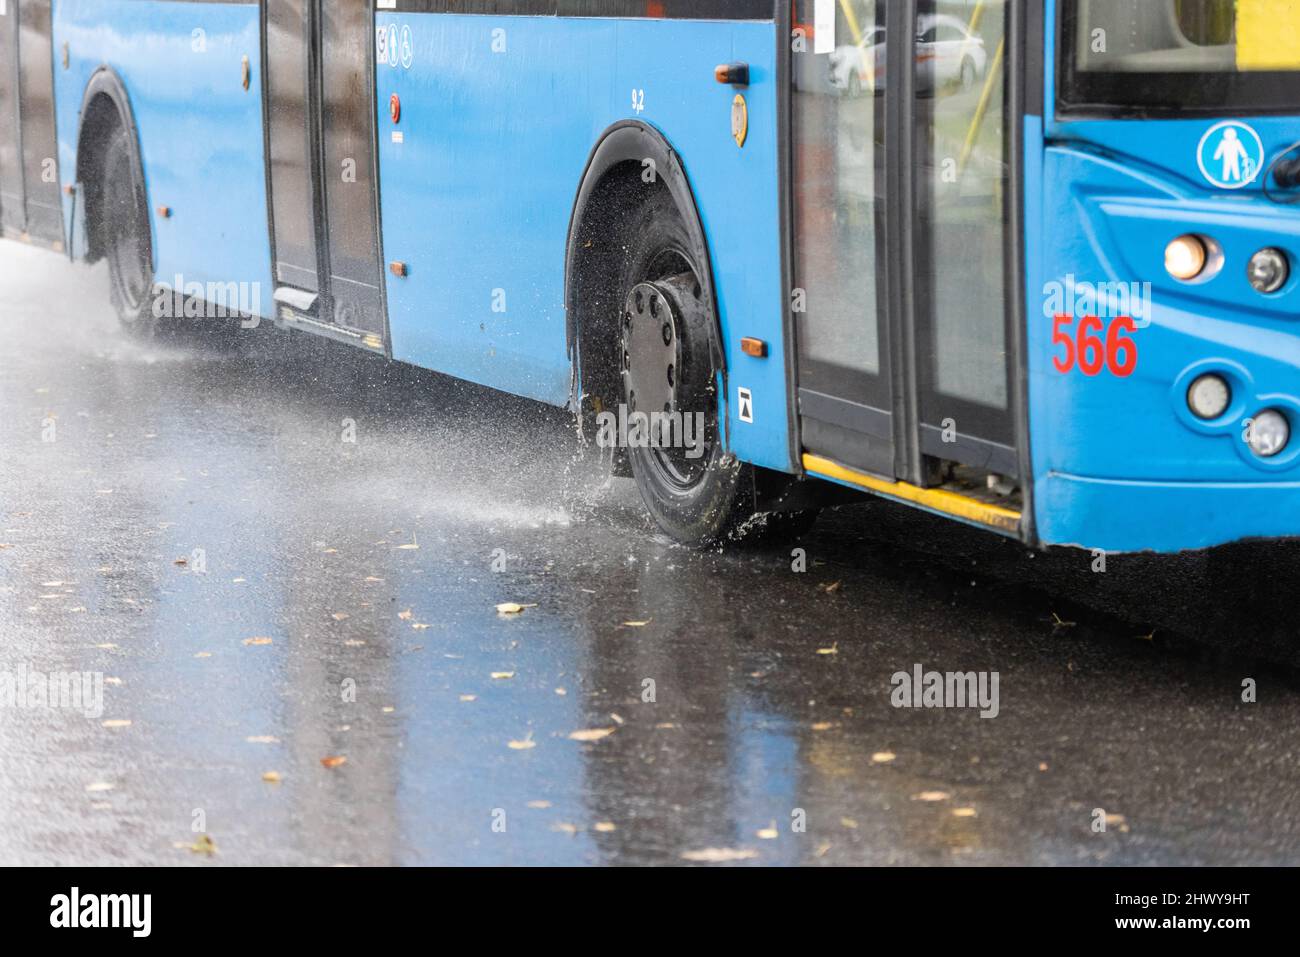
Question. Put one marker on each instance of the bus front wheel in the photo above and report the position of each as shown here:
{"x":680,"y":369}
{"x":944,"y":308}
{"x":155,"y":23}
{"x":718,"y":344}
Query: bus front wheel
{"x":693,"y":488}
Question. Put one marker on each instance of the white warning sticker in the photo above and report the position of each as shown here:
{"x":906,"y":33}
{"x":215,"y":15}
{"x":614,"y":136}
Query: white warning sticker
{"x":824,"y":27}
{"x":746,"y":406}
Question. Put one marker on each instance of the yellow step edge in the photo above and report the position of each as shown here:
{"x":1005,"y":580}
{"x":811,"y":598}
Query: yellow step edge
{"x":941,"y":500}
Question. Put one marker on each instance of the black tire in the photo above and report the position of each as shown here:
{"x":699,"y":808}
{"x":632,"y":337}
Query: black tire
{"x":124,"y":221}
{"x":701,"y":501}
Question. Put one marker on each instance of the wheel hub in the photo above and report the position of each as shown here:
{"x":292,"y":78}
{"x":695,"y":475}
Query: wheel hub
{"x":651,"y":349}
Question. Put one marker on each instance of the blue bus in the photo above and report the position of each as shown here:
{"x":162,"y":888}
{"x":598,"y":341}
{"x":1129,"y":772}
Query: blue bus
{"x":1031,"y":265}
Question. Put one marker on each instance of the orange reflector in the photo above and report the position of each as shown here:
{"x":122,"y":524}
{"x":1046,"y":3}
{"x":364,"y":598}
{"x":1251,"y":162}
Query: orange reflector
{"x":395,"y":108}
{"x":753,"y":347}
{"x":398,"y":269}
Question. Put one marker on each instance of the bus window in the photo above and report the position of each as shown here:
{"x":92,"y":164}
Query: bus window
{"x":1139,"y":55}
{"x":961,"y":223}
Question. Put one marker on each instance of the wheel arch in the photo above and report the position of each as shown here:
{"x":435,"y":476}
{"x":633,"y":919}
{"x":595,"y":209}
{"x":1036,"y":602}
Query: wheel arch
{"x":612,"y":184}
{"x":104,"y":104}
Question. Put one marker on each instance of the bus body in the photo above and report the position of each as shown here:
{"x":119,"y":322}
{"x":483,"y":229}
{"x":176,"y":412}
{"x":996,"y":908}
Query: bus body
{"x":1028,"y":265}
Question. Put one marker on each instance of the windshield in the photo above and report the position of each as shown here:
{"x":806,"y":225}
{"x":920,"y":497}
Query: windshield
{"x":1142,"y":55}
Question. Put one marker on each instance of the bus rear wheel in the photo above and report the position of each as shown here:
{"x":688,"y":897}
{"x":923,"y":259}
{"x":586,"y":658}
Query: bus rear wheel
{"x":124,"y":221}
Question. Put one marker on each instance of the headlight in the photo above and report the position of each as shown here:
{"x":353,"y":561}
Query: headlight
{"x":1269,"y":433}
{"x":1209,"y":396}
{"x":1268,"y":270}
{"x":1185,"y":257}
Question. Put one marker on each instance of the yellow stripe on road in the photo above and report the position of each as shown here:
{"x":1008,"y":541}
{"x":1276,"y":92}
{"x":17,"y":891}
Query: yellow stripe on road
{"x":940,"y":500}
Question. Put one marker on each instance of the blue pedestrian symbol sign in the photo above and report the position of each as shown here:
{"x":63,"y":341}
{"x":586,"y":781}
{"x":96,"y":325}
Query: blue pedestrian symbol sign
{"x":1231,"y":155}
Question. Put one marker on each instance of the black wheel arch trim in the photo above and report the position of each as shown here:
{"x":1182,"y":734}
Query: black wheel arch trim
{"x":636,"y":141}
{"x":105,"y":81}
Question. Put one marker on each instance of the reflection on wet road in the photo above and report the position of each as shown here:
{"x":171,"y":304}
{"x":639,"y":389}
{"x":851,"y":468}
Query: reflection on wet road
{"x":196,"y":498}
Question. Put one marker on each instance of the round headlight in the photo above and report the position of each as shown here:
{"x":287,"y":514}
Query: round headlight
{"x":1209,"y":396}
{"x":1185,"y":257}
{"x":1268,"y":270}
{"x":1269,"y":433}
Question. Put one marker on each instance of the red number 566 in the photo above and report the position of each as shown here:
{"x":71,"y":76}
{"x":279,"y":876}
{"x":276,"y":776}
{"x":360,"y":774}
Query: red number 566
{"x":1118,"y":352}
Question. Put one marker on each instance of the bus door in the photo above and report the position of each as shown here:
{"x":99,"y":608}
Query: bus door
{"x":901,"y":237}
{"x":319,"y":72}
{"x":840,"y":247}
{"x":30,"y":204}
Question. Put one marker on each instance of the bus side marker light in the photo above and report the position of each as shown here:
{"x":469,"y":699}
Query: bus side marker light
{"x":398,"y":269}
{"x":245,"y":74}
{"x":1185,"y":257}
{"x":1268,"y":271}
{"x":165,"y":212}
{"x":753,"y":347}
{"x":733,"y":74}
{"x":1209,"y":396}
{"x":395,"y":108}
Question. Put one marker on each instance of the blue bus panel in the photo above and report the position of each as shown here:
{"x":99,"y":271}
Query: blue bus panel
{"x":200,"y":131}
{"x":519,"y":103}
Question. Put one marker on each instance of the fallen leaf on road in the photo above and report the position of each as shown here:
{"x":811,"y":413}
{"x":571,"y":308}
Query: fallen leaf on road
{"x":405,"y":615}
{"x":832,"y":588}
{"x":418,"y":626}
{"x":271,"y":777}
{"x":568,"y":829}
{"x":823,"y":725}
{"x":963,"y":812}
{"x":523,"y":745}
{"x":768,"y":833}
{"x":204,"y":845}
{"x":262,"y":739}
{"x":469,"y":697}
{"x":340,"y":616}
{"x":203,"y":654}
{"x":502,"y":675}
{"x":637,"y":624}
{"x":353,"y":643}
{"x":719,"y":855}
{"x":832,"y":650}
{"x":883,"y":757}
{"x":257,"y":641}
{"x":415,"y":543}
{"x":591,"y":734}
{"x":97,"y":787}
{"x":117,"y":723}
{"x":604,"y":827}
{"x":334,"y":761}
{"x":507,"y":608}
{"x":931,"y":796}
{"x":539,"y":805}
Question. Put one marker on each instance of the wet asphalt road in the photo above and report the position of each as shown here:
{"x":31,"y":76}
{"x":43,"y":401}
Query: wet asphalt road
{"x":370,"y":567}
